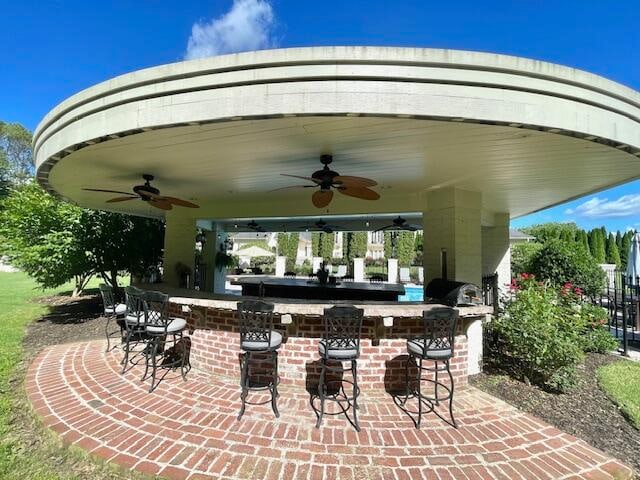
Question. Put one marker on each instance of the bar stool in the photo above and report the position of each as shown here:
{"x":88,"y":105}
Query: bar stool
{"x":112,"y":311}
{"x":340,"y":343}
{"x":134,"y":322}
{"x":258,"y":338}
{"x":159,"y":327}
{"x":435,"y":345}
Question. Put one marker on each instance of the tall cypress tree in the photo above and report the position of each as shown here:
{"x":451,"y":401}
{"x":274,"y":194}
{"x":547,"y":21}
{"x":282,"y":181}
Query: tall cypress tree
{"x":613,"y":254}
{"x":601,"y":251}
{"x":583,"y":239}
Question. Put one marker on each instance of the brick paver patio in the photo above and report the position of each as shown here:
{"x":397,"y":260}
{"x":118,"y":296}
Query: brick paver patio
{"x":189,"y":430}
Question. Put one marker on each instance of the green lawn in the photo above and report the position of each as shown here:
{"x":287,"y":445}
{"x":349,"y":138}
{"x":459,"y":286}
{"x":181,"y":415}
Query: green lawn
{"x":621,"y":382}
{"x":27,"y":452}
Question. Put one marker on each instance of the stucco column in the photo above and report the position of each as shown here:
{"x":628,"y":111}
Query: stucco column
{"x":392,"y":270}
{"x":315,"y":264}
{"x":219,"y":274}
{"x":209,"y":259}
{"x":496,"y":255}
{"x":179,"y":247}
{"x":281,"y":266}
{"x":358,"y":269}
{"x":452,"y":221}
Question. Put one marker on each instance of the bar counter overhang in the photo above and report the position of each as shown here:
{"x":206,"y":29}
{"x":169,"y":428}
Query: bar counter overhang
{"x":214,"y":336}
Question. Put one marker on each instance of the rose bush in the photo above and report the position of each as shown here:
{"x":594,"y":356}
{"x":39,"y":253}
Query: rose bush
{"x":544,"y":331}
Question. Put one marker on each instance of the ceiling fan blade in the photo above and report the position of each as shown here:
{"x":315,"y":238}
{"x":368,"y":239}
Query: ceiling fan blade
{"x":348,"y":180}
{"x":311,"y":179}
{"x":108,"y":191}
{"x":121,"y":199}
{"x":160,"y":204}
{"x":178,"y":201}
{"x":322,"y":198}
{"x":359,"y":192}
{"x":292,"y":187}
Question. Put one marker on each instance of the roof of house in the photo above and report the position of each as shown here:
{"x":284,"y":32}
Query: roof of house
{"x":518,"y":235}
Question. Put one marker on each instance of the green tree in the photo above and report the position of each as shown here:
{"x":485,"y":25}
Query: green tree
{"x":560,"y":262}
{"x":552,"y":231}
{"x":613,"y":254}
{"x":583,"y":239}
{"x":292,"y":250}
{"x":356,"y":246}
{"x":288,"y":247}
{"x":38,"y":234}
{"x":16,"y":158}
{"x":327,"y":241}
{"x":315,"y":244}
{"x":388,"y":245}
{"x":597,"y":245}
{"x":419,"y":247}
{"x":55,"y":242}
{"x":521,"y":255}
{"x":405,"y":248}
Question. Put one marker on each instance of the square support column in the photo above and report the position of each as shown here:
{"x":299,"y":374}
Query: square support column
{"x":452,"y":235}
{"x":219,"y":274}
{"x":496,"y":254}
{"x":179,"y":247}
{"x":209,"y":259}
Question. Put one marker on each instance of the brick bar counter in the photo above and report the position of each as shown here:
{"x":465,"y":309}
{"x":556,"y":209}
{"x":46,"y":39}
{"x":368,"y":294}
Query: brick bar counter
{"x":213,"y":329}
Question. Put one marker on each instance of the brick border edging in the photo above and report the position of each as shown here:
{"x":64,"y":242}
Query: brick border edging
{"x":554,"y":438}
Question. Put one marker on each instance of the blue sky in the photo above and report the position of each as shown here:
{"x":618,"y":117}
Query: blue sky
{"x":53,"y":49}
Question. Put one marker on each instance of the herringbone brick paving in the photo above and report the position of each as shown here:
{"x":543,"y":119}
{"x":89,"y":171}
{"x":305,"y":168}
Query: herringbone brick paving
{"x":188,"y":430}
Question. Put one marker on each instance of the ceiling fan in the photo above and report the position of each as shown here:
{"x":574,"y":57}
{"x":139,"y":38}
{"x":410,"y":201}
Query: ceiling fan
{"x":320,"y":226}
{"x":400,"y":223}
{"x":148,"y":194}
{"x":328,"y":180}
{"x":253,"y":225}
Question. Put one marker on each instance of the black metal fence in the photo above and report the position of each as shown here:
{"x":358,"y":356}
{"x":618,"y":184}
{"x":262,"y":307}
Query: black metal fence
{"x":621,"y":298}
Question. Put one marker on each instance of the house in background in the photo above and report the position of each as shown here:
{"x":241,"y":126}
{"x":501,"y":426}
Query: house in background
{"x":516,"y":236}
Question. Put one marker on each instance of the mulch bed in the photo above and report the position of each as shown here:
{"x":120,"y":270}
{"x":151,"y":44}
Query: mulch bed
{"x":585,"y":412}
{"x":69,"y":320}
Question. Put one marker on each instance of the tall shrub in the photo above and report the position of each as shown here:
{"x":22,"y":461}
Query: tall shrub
{"x":536,"y":339}
{"x":559,"y":262}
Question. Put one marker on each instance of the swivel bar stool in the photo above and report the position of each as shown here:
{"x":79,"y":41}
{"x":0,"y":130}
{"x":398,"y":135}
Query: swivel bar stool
{"x":435,"y":345}
{"x":258,"y":340}
{"x":112,"y":311}
{"x":161,"y":329}
{"x":134,"y":323}
{"x":340,"y":343}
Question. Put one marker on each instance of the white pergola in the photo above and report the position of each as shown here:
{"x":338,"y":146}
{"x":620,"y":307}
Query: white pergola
{"x":465,"y":140}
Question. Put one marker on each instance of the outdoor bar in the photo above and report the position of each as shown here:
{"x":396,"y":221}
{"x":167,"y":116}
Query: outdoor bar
{"x":461,"y":142}
{"x":215,"y":347}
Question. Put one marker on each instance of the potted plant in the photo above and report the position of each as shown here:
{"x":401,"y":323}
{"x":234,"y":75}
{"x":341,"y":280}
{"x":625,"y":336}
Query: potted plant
{"x":224,"y":260}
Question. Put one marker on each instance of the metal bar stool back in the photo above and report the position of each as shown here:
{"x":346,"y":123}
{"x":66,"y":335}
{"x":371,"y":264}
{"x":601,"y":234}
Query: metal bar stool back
{"x":342,"y":330}
{"x":258,"y":339}
{"x":161,"y":329}
{"x":340,"y":343}
{"x":437,"y":345}
{"x":111,"y":311}
{"x":134,"y":322}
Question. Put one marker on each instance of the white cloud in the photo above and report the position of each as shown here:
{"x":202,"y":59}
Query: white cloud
{"x":248,"y":25}
{"x":624,"y":206}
